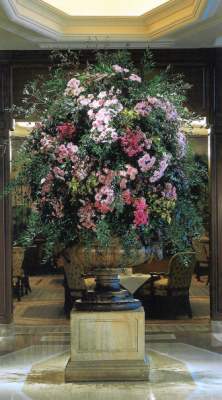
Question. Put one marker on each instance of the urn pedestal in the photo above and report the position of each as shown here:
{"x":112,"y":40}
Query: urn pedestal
{"x":107,"y":346}
{"x":107,"y":324}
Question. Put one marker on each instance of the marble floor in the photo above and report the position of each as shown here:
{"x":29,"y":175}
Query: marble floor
{"x":185,"y":363}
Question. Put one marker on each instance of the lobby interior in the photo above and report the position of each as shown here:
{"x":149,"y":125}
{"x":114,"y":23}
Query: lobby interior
{"x":185,"y":354}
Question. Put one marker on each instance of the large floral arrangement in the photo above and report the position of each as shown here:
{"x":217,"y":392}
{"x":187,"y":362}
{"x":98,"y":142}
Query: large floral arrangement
{"x":109,"y":158}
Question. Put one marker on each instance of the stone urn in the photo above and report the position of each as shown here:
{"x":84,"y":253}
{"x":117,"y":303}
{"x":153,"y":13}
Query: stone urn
{"x":105,"y":265}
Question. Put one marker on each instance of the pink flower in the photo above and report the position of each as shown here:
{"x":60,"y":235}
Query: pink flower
{"x":127,"y":197}
{"x":122,"y":173}
{"x":107,"y":177}
{"x":101,"y":113}
{"x":91,"y":114}
{"x":140,"y":203}
{"x":72,"y":148}
{"x":134,"y":77}
{"x":132,"y":142}
{"x":57,"y":208}
{"x":102,"y":207}
{"x":47,"y":143}
{"x":86,"y":215}
{"x":140,"y":217}
{"x":68,"y":151}
{"x":73,"y":83}
{"x":146,"y":162}
{"x":117,"y":68}
{"x":131,"y":171}
{"x":148,"y":143}
{"x":47,"y":184}
{"x":141,"y":212}
{"x":66,"y":131}
{"x":105,"y":195}
{"x":59,"y":173}
{"x":104,"y":198}
{"x":146,"y":106}
{"x":85,"y":100}
{"x":123,"y":183}
{"x":74,"y":88}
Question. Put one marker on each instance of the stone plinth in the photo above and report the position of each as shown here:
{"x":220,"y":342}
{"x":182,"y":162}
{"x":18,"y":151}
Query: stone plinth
{"x":107,"y":346}
{"x":7,"y":337}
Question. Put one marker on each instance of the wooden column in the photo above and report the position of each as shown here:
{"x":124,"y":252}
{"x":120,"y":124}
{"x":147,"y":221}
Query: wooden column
{"x":216,"y":189}
{"x":5,"y":208}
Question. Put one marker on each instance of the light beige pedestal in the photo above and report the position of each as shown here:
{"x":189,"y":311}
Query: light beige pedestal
{"x":107,"y":346}
{"x":7,"y":337}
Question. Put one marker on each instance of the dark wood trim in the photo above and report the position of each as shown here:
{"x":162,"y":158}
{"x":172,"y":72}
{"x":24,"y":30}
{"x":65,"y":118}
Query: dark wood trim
{"x":5,"y":207}
{"x":216,"y":188}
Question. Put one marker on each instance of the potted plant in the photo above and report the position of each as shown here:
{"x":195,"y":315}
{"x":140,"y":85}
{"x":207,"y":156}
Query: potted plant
{"x":108,"y":164}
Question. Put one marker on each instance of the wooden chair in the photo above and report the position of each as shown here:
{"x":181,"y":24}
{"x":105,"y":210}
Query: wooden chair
{"x":74,"y":284}
{"x":201,"y":248}
{"x":17,"y":271}
{"x":167,"y":295}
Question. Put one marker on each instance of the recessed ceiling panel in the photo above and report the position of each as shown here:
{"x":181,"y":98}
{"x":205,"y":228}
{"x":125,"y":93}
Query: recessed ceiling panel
{"x":107,"y":8}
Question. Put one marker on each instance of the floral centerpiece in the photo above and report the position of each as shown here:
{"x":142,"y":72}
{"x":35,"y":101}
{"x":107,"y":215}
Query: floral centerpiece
{"x":109,"y":157}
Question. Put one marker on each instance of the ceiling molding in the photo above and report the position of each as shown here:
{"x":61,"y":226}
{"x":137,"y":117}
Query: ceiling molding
{"x":37,"y":16}
{"x":103,"y":43}
{"x":20,"y":31}
{"x":174,"y":15}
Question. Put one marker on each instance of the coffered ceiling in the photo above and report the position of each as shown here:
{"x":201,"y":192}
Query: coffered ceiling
{"x":42,"y":24}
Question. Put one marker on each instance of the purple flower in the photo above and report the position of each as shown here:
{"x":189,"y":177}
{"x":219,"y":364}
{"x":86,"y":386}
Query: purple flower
{"x":157,"y":175}
{"x":169,"y":191}
{"x":182,"y":144}
{"x":146,"y":162}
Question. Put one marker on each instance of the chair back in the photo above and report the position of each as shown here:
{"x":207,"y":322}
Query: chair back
{"x":181,"y":267}
{"x":201,"y":250}
{"x":17,"y":260}
{"x":73,"y":272}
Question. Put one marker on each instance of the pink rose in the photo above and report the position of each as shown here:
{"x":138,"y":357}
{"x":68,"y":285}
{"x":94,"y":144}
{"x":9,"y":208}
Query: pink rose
{"x":66,"y":131}
{"x":134,"y":77}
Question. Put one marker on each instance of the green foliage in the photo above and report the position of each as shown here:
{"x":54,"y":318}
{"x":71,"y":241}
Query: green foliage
{"x":186,"y":224}
{"x":174,"y":220}
{"x":103,"y":233}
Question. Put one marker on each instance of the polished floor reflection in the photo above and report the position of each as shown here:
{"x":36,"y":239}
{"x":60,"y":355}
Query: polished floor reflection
{"x":185,"y":363}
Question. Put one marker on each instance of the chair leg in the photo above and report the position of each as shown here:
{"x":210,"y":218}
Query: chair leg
{"x":173,"y":302}
{"x":188,"y":307}
{"x":197,"y":270}
{"x":26,"y":284}
{"x":17,"y":290}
